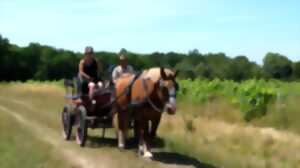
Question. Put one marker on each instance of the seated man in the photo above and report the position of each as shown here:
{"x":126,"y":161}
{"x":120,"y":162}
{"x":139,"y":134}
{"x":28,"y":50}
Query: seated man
{"x":88,"y":72}
{"x":122,"y":69}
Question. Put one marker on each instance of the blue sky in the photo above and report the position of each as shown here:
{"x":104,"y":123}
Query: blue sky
{"x":235,"y":27}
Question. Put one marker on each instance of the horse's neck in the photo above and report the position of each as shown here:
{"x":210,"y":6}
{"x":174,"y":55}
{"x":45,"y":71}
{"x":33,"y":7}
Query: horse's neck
{"x":153,"y":92}
{"x":152,"y":74}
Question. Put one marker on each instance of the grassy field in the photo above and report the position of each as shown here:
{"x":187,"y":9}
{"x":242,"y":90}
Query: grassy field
{"x":36,"y":108}
{"x":211,"y":134}
{"x":231,"y":145}
{"x":19,"y":147}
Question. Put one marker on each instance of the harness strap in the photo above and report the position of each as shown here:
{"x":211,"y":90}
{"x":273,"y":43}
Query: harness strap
{"x":126,"y":91}
{"x":148,"y":99}
{"x":129,"y":87}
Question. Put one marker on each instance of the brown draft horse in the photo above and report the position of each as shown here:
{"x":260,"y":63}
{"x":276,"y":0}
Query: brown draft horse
{"x":153,"y":92}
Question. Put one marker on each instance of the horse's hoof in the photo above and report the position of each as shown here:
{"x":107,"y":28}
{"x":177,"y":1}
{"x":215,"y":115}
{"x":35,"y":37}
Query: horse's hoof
{"x":141,"y":151}
{"x":121,"y":146}
{"x":148,"y":155}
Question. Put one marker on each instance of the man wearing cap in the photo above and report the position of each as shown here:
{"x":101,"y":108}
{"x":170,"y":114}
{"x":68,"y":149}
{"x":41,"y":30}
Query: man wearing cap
{"x":122,"y":69}
{"x":88,"y":72}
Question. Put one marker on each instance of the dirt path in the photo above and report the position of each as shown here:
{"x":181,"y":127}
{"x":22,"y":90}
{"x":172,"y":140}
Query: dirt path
{"x":52,"y":138}
{"x":81,"y":157}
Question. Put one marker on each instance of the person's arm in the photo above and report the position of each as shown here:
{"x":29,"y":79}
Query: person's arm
{"x":131,"y":70}
{"x":115,"y":75}
{"x":81,"y":72}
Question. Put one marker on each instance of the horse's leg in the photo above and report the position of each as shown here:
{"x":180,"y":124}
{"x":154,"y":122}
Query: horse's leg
{"x":146,"y":144}
{"x":122,"y":122}
{"x":121,"y":139}
{"x":144,"y":148}
{"x":136,"y":130}
{"x":154,"y":125}
{"x":140,"y":132}
{"x":147,"y":126}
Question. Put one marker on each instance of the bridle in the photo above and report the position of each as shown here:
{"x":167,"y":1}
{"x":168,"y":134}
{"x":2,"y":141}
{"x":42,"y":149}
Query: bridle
{"x":161,"y":87}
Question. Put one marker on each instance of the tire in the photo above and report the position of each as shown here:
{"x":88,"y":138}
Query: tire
{"x":66,"y":117}
{"x":81,"y":135}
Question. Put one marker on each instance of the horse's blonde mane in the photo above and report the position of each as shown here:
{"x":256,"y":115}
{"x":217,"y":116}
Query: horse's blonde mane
{"x":154,"y":73}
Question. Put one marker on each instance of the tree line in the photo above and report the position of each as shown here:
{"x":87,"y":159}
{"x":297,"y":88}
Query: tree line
{"x":42,"y":62}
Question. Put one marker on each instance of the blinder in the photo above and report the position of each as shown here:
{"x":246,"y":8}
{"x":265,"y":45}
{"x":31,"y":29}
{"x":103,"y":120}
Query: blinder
{"x":162,"y":86}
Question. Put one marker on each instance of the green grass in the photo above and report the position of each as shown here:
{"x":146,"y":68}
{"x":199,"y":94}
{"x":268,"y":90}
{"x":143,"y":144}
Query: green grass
{"x":283,"y":115}
{"x":230,"y":145}
{"x":42,"y":104}
{"x":20,"y":148}
{"x":232,"y":102}
{"x":213,"y":132}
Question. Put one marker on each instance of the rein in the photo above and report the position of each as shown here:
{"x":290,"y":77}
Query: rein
{"x":148,"y":100}
{"x":125,"y":91}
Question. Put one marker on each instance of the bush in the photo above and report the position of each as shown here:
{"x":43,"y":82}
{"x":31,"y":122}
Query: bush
{"x":252,"y":96}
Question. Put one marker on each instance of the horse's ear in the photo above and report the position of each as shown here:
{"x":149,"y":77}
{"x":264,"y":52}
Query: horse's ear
{"x":163,"y":73}
{"x":176,"y":73}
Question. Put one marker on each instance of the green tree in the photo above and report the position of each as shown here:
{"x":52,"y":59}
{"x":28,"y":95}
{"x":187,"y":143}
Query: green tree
{"x":173,"y":58}
{"x":239,"y":69}
{"x":186,"y":70}
{"x":296,"y":69}
{"x":158,"y":59}
{"x":277,"y":66}
{"x":4,"y":58}
{"x":218,"y":65}
{"x":257,"y":72}
{"x":194,"y":52}
{"x":202,"y":70}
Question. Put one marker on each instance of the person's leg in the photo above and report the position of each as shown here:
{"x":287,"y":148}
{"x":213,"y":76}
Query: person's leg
{"x":91,"y":89}
{"x":84,"y":88}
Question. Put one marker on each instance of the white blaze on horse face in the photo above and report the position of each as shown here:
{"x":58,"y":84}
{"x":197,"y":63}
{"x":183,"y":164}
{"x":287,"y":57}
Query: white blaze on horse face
{"x":172,"y":98}
{"x":171,"y":105}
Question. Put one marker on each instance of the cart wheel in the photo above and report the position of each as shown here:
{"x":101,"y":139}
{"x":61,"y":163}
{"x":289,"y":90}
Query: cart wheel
{"x":82,"y":128}
{"x":67,"y":122}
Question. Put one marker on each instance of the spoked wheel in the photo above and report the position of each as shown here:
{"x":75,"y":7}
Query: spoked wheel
{"x":67,"y":122}
{"x":82,"y":126}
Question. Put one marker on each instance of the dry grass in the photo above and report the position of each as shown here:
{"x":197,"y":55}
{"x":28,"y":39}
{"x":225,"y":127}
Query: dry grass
{"x":40,"y":105}
{"x":231,"y":145}
{"x":213,"y":133}
{"x":217,"y":108}
{"x":282,"y":115}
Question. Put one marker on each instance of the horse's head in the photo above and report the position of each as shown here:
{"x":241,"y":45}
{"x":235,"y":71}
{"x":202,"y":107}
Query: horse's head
{"x":168,"y":87}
